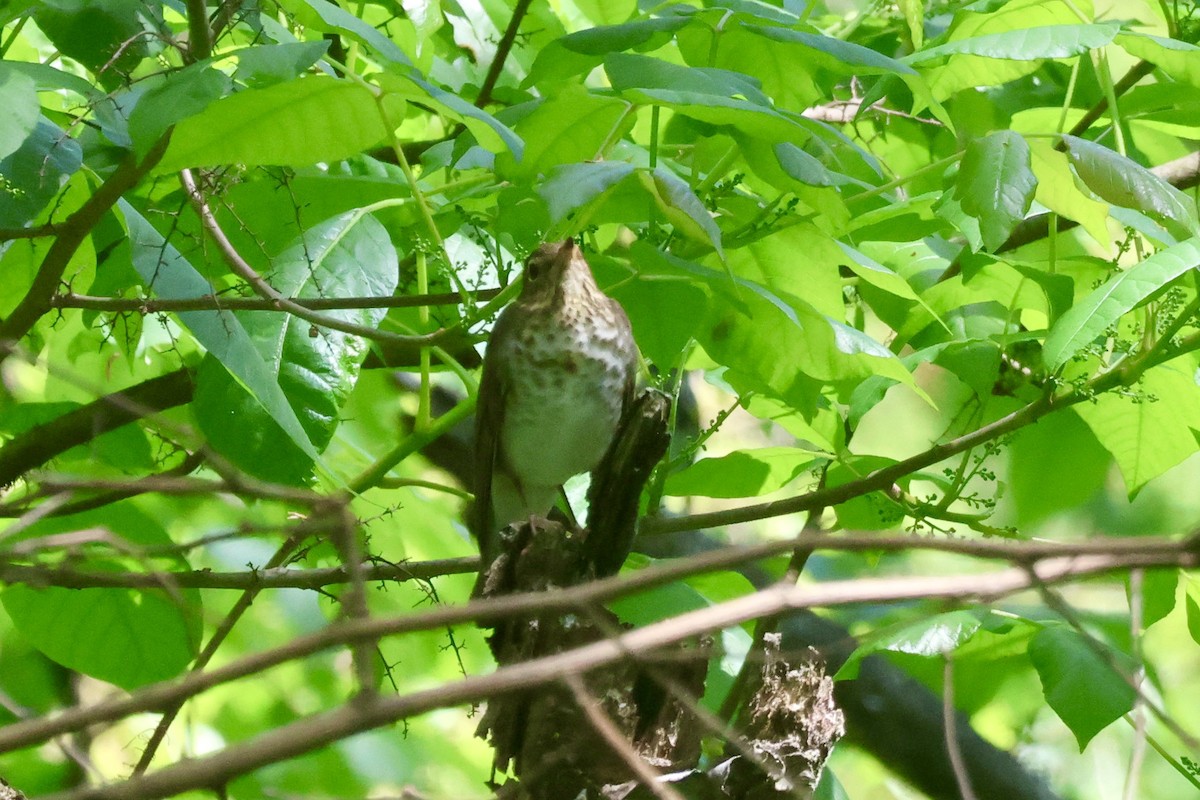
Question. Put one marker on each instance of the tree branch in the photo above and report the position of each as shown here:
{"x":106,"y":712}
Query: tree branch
{"x":71,"y":234}
{"x":771,"y":600}
{"x":322,"y":729}
{"x":43,"y":442}
{"x":265,"y":290}
{"x":502,"y":51}
{"x":215,"y":303}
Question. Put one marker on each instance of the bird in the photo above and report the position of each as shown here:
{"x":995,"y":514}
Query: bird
{"x":559,"y":370}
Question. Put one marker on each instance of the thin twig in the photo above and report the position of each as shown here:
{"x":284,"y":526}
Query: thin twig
{"x":210,"y":649}
{"x":646,"y":775}
{"x":295,"y":739}
{"x":950,"y":723}
{"x":268,"y":292}
{"x":502,"y":51}
{"x":212,"y":303}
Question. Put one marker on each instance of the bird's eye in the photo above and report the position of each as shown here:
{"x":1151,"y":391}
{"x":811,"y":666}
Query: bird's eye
{"x":533,"y":270}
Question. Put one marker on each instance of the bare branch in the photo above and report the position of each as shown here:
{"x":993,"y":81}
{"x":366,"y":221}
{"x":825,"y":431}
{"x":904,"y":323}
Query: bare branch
{"x":71,"y":235}
{"x":213,"y":303}
{"x":255,"y":580}
{"x":268,"y":292}
{"x":502,"y":51}
{"x":314,"y":732}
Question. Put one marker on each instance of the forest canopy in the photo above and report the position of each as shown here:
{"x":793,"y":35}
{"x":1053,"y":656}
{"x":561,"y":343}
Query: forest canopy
{"x":918,"y":281}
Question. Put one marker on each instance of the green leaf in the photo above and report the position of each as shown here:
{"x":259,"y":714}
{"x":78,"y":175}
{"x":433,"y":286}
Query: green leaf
{"x":1193,"y":611}
{"x":490,"y":132}
{"x":795,"y":67}
{"x":715,"y":96}
{"x":1152,"y":430}
{"x":607,"y":12}
{"x":877,"y":274}
{"x":1159,"y":587}
{"x":329,"y":120}
{"x":584,"y":50}
{"x":347,"y":256}
{"x":1088,"y":319}
{"x":914,"y":17}
{"x":833,"y":53}
{"x":570,"y":187}
{"x":931,"y":637}
{"x":18,"y":96}
{"x":1180,"y":60}
{"x":813,"y":280}
{"x":571,"y":126}
{"x":995,"y":184}
{"x":1026,"y":44}
{"x":322,"y":15}
{"x":1126,"y":183}
{"x":1081,"y":687}
{"x":779,"y":348}
{"x":35,"y":173}
{"x":180,"y":95}
{"x":681,"y":206}
{"x":808,"y":168}
{"x":665,"y":305}
{"x":744,"y":473}
{"x":169,"y":275}
{"x":261,"y":66}
{"x":129,"y":637}
{"x":1055,"y":466}
{"x":1058,"y":189}
{"x":874,"y":511}
{"x":105,"y":36}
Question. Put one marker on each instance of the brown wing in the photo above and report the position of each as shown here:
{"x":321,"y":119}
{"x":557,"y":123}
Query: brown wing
{"x":489,"y":419}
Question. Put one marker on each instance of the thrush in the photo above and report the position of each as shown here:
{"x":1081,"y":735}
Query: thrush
{"x":557,"y":374}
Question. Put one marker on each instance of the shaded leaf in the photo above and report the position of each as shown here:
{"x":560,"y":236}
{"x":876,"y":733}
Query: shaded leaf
{"x":264,"y":65}
{"x":932,"y":637}
{"x":322,"y":15}
{"x":347,"y":256}
{"x":169,"y":275}
{"x":35,"y":173}
{"x":180,"y":95}
{"x":1151,"y":429}
{"x":1081,"y":687}
{"x":19,"y":96}
{"x":745,"y":473}
{"x":1123,"y":182}
{"x":570,"y":187}
{"x":1025,"y":44}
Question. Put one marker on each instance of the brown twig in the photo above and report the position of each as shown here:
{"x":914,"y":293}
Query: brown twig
{"x":308,"y":734}
{"x":772,"y":600}
{"x":646,"y":775}
{"x":44,"y":442}
{"x":265,"y":290}
{"x":882,"y":479}
{"x":502,"y":51}
{"x":210,"y":649}
{"x":256,"y":580}
{"x":950,"y":722}
{"x":214,"y":303}
{"x":200,"y":36}
{"x":71,"y":235}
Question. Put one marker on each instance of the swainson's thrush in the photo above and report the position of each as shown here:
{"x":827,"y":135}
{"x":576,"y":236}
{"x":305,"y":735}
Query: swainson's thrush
{"x":558,"y":373}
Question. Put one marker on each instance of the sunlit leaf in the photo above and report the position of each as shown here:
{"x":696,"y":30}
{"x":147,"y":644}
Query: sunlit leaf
{"x":995,"y":184}
{"x":1092,"y":316}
